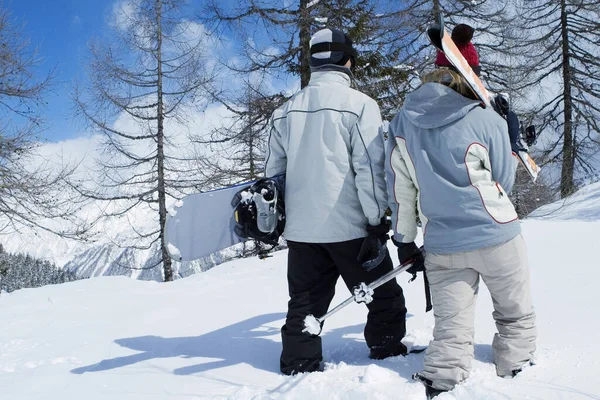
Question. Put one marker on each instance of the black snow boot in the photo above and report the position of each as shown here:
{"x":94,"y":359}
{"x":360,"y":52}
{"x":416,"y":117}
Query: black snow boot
{"x":302,"y":366}
{"x":430,"y":391}
{"x":383,"y":352}
{"x":517,"y":371}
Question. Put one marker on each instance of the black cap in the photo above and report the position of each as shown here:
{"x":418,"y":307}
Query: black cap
{"x":331,"y":46}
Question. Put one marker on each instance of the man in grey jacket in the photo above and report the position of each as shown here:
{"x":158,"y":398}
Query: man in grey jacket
{"x":327,"y":141}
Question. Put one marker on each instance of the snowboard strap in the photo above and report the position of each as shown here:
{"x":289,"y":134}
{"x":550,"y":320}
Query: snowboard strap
{"x":246,"y":213}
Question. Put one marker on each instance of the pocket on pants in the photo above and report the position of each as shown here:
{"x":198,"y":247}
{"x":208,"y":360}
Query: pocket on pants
{"x":504,"y":258}
{"x":434,"y":260}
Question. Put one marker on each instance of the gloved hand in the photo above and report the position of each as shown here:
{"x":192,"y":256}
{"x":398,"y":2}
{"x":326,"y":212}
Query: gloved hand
{"x":374,"y":249}
{"x":500,"y":105}
{"x":410,"y":253}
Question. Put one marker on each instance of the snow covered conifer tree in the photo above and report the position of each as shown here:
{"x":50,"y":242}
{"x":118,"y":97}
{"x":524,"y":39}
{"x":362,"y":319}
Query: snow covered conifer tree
{"x":19,"y":271}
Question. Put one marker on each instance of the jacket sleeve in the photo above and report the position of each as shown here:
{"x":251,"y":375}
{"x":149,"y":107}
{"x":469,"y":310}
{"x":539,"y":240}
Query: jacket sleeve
{"x":368,"y":157}
{"x":402,"y":191}
{"x":504,"y":164}
{"x":276,"y":161}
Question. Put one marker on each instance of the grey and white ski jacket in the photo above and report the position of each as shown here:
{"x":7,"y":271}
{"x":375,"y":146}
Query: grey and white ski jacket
{"x":327,"y":141}
{"x":454,"y":157}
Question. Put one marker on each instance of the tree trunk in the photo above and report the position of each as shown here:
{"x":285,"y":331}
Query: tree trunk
{"x":304,"y":24}
{"x":160,"y":154}
{"x":436,"y":10}
{"x":252,"y":166}
{"x":568,"y":162}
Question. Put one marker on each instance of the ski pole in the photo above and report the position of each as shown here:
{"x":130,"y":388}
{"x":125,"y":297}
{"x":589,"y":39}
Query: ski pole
{"x":313,"y":325}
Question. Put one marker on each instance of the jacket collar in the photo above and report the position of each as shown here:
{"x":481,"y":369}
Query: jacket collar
{"x":331,"y":74}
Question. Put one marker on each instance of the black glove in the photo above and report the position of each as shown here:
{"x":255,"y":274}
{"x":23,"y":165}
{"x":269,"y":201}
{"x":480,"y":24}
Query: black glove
{"x":500,"y":105}
{"x":410,"y":253}
{"x":531,"y":135}
{"x":374,"y":249}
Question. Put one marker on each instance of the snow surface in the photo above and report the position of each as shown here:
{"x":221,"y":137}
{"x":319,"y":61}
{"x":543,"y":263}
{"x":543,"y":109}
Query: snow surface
{"x":215,"y":336}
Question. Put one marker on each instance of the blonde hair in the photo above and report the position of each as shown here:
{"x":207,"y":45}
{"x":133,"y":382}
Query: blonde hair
{"x":452,"y":79}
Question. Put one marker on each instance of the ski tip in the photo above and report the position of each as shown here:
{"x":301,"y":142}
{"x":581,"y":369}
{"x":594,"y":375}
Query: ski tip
{"x":435,"y":34}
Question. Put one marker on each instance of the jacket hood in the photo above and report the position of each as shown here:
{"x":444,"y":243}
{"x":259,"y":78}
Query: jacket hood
{"x":434,"y":105}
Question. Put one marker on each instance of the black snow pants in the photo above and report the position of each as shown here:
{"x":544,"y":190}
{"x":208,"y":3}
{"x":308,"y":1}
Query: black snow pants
{"x":313,"y":270}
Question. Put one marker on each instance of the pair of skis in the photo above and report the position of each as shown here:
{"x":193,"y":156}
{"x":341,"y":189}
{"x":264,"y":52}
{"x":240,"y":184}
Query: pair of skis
{"x":442,"y":40}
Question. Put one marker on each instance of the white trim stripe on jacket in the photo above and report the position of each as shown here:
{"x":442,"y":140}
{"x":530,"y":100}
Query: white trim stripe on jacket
{"x":327,"y":140}
{"x":456,"y":157}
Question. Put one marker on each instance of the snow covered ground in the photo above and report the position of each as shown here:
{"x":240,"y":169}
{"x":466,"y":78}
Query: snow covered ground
{"x":584,"y":205}
{"x":215,"y":335}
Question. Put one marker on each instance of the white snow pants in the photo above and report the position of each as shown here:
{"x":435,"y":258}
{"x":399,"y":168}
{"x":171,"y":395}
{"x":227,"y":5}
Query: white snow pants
{"x":454,"y":282}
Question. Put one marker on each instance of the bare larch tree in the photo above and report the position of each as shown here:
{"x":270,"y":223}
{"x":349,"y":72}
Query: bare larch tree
{"x":562,"y":42}
{"x":32,"y":189}
{"x":274,"y":56}
{"x":149,"y":73}
{"x":274,"y":43}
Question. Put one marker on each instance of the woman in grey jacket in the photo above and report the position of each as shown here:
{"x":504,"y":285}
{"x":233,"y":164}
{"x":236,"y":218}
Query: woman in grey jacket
{"x":453,"y":157}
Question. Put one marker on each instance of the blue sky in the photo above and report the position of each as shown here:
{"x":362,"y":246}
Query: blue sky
{"x":61,"y":29}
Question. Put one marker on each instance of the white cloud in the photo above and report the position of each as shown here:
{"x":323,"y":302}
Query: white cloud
{"x":123,"y":14}
{"x":87,"y":151}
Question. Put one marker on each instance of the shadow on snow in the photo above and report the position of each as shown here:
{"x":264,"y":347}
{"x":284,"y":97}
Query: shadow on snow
{"x":243,"y":343}
{"x":233,"y":344}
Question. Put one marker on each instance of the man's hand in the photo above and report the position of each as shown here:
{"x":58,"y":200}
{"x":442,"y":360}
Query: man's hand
{"x":374,"y":249}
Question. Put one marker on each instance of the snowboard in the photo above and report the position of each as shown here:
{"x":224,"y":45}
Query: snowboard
{"x":443,"y":42}
{"x":203,"y":223}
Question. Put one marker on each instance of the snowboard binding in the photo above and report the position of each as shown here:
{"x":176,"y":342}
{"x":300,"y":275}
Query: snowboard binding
{"x":259,"y":212}
{"x":530,"y":135}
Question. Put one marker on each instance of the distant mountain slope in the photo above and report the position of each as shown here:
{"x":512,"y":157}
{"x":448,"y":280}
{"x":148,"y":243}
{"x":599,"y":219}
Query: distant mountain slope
{"x":103,"y":258}
{"x":108,"y":257}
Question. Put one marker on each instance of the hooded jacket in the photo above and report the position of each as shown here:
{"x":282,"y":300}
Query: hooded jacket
{"x":454,"y":158}
{"x":327,"y":141}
